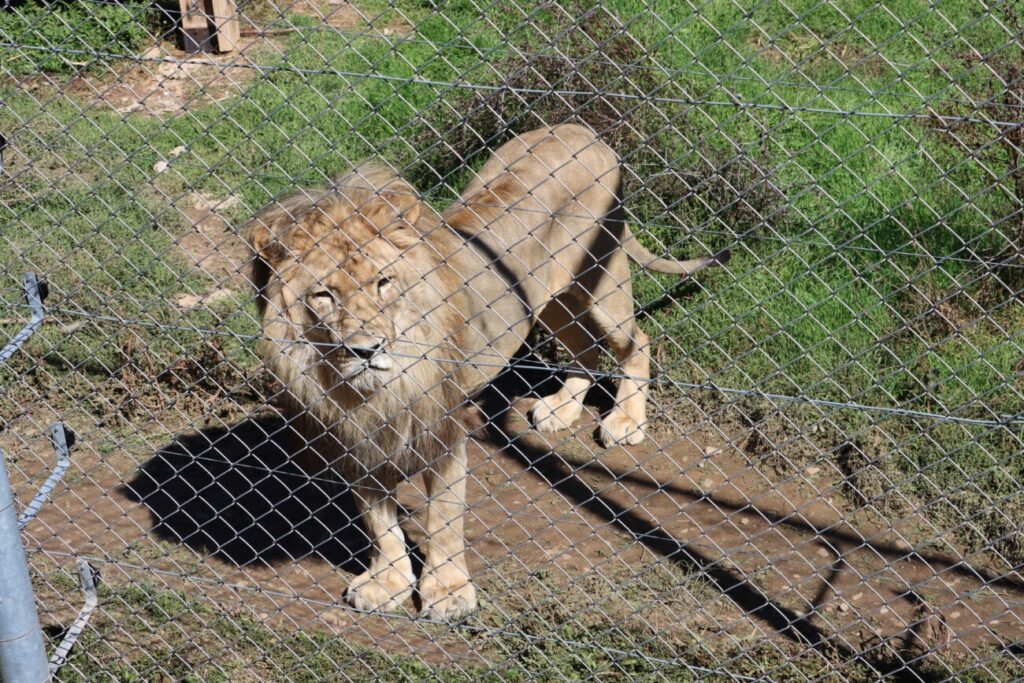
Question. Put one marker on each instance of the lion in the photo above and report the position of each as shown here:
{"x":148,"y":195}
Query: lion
{"x":382,"y":319}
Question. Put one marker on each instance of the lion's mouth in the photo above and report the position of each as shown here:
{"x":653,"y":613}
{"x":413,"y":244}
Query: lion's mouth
{"x":351,"y":366}
{"x":357,"y":366}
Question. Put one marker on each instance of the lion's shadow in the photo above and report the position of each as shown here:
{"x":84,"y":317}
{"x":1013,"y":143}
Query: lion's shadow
{"x":236,"y":493}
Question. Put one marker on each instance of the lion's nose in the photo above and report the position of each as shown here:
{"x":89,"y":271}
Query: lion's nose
{"x":363,"y":351}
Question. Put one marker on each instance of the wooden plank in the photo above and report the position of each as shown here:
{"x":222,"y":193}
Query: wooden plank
{"x":225,"y":19}
{"x":195,"y":30}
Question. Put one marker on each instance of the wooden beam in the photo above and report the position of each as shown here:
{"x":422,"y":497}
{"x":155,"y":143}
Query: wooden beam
{"x":195,"y":29}
{"x":225,"y":21}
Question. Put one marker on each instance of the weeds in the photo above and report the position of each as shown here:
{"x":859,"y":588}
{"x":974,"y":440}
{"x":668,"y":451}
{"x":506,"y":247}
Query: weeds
{"x":110,"y":28}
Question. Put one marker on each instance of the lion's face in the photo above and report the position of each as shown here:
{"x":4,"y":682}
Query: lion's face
{"x":345,"y":308}
{"x":349,"y":295}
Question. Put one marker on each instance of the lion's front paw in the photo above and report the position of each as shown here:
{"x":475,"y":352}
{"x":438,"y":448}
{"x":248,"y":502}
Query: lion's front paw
{"x":446,"y":594}
{"x":555,"y":412}
{"x":618,"y":429}
{"x":383,"y":590}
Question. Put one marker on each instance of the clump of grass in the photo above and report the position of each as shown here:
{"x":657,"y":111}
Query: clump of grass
{"x":66,"y":37}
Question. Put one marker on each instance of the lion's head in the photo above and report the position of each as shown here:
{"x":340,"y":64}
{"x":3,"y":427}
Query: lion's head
{"x":355,"y":299}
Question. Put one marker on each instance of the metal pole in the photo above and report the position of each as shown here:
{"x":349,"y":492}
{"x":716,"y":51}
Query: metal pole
{"x":22,"y":653}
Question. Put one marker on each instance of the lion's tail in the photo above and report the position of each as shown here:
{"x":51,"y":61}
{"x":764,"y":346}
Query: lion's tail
{"x":647,"y":260}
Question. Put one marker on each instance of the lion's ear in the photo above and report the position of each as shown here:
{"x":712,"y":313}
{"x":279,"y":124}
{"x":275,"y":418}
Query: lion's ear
{"x":263,"y":240}
{"x":267,"y":229}
{"x":406,"y":205}
{"x":392,"y":200}
{"x":392,"y":212}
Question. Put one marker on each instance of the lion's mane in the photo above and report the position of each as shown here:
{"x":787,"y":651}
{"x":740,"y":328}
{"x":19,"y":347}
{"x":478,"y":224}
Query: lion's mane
{"x":394,"y":432}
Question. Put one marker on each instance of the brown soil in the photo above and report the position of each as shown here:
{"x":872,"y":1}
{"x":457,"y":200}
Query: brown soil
{"x":345,"y":16}
{"x":211,"y":245}
{"x":165,"y":81}
{"x":688,"y":540}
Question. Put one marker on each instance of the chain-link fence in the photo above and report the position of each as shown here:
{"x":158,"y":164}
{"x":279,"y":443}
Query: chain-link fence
{"x":465,"y":426}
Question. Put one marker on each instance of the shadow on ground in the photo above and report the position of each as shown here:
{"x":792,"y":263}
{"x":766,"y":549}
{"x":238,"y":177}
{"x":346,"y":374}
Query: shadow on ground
{"x":237,"y":493}
{"x":897,"y":659}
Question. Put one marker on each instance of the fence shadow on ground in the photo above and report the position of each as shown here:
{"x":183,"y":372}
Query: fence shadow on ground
{"x":898,"y":659}
{"x":236,"y":493}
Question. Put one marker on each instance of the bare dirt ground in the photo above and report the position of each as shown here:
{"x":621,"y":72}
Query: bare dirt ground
{"x":686,"y":539}
{"x":165,"y":81}
{"x":212,"y":245}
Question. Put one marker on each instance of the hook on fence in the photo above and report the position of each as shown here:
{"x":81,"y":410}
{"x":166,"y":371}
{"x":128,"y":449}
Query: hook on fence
{"x":22,"y":651}
{"x":36,"y":291}
{"x":63,"y":439}
{"x":88,"y":577}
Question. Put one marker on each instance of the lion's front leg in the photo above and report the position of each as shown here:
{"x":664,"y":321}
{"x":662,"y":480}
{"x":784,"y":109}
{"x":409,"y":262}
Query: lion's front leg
{"x":388,"y":580}
{"x":445,"y":589}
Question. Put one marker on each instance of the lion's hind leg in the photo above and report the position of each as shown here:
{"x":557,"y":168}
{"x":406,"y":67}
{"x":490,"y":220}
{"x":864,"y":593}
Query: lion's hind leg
{"x":388,"y":581}
{"x":627,"y":419}
{"x":561,"y":409}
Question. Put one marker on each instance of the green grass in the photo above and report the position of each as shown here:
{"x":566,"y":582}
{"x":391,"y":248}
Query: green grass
{"x":70,"y":33}
{"x":180,"y":635}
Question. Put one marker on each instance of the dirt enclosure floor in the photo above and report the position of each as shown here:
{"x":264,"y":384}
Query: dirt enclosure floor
{"x":688,"y":544}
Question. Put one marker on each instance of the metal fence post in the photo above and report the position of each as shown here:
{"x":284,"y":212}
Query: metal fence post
{"x":22,"y":653}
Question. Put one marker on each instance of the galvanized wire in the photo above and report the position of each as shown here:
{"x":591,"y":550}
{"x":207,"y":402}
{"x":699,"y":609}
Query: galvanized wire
{"x":830,"y":488}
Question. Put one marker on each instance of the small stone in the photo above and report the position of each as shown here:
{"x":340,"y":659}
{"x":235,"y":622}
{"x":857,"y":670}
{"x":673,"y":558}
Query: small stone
{"x":744,"y":521}
{"x":264,"y":616}
{"x":217,"y":295}
{"x":161,"y":166}
{"x":707,"y":482}
{"x":702,"y":465}
{"x":822,"y":552}
{"x":229,"y":202}
{"x":152,"y":53}
{"x":175,"y":69}
{"x":856,"y":596}
{"x":900,"y":544}
{"x":955,"y":614}
{"x":883,"y":611}
{"x":177,"y":151}
{"x":712,"y":450}
{"x":187,"y":301}
{"x":843,"y":607}
{"x":199,"y":201}
{"x":812,"y":470}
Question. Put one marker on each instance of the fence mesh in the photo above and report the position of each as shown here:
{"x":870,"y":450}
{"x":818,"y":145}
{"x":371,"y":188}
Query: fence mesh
{"x":830,"y":486}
